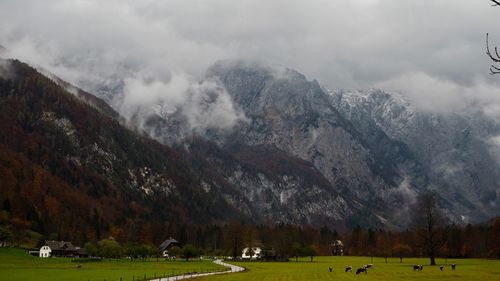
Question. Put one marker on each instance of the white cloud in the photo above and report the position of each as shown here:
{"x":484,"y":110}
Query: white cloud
{"x":204,"y":104}
{"x":5,"y":70}
{"x":440,"y":95}
{"x":434,"y":46}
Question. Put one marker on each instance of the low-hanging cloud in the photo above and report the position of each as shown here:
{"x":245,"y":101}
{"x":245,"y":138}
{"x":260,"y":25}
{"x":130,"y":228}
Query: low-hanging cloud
{"x":432,"y":51}
{"x":438,"y":95}
{"x":5,"y":69}
{"x":205,"y":104}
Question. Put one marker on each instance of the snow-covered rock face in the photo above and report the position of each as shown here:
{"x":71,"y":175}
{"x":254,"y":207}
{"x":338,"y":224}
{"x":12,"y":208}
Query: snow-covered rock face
{"x":371,"y":152}
{"x":296,"y":116}
{"x":453,"y":148}
{"x":374,"y":147}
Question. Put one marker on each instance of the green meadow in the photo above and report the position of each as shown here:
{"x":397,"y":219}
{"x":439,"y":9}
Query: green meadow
{"x":18,"y":265}
{"x":466,"y":270}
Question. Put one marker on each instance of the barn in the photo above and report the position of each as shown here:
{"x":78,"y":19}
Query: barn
{"x":57,"y":249}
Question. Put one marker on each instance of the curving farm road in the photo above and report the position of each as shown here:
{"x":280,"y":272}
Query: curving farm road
{"x":232,"y":269}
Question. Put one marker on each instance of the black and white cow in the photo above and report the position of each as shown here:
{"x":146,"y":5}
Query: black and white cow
{"x":418,"y":267}
{"x":362,"y":269}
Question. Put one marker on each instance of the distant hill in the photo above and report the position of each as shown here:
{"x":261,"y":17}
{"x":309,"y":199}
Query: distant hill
{"x":70,"y":168}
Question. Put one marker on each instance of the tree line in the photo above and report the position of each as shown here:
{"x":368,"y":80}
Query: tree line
{"x":292,"y":241}
{"x":284,"y":240}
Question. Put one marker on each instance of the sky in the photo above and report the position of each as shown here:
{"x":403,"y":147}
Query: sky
{"x":431,"y":51}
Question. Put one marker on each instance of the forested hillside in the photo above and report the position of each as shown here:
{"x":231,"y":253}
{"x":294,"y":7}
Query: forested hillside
{"x":70,"y":170}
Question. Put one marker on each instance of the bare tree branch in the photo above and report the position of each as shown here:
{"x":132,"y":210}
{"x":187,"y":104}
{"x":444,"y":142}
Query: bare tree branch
{"x":494,"y":70}
{"x":495,"y":57}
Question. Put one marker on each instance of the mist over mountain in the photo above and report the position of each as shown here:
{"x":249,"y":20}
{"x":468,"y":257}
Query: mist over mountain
{"x":68,"y":166}
{"x":277,"y":147}
{"x":373,"y":148}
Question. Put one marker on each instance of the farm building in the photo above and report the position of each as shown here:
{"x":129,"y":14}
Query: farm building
{"x":247,"y":254}
{"x":58,"y":249}
{"x":167,"y":244}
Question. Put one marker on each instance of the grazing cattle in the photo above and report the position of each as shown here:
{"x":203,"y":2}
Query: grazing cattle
{"x":362,"y":269}
{"x":453,"y":266}
{"x":330,"y":268}
{"x":441,"y":267}
{"x":348,"y":269}
{"x":418,"y":267}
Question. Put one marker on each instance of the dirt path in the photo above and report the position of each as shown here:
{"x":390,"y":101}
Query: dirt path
{"x":232,"y":269}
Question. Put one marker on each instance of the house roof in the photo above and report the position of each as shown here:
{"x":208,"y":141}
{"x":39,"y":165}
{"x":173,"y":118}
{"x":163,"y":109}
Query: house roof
{"x":81,"y":251}
{"x":60,"y":245}
{"x":167,"y":243}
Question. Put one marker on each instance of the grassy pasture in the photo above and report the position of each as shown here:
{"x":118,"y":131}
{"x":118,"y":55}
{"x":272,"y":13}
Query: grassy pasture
{"x":17,"y":265}
{"x":466,"y":270}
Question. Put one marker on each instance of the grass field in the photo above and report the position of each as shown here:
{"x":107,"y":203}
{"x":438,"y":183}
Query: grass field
{"x":17,"y":265}
{"x":466,"y":270}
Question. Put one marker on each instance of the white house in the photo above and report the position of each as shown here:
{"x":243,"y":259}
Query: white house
{"x":45,"y":252}
{"x":58,"y":249}
{"x":257,"y":253}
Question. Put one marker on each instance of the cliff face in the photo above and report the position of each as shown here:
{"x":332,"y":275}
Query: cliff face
{"x":372,"y":150}
{"x":296,"y":116}
{"x":457,"y":150}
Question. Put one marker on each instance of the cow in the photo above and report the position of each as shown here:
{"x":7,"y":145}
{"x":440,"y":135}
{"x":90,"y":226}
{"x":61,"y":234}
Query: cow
{"x":441,"y":267}
{"x":348,"y":269}
{"x":418,"y":267}
{"x":362,"y":269}
{"x":368,"y":265}
{"x":453,"y":266}
{"x":330,"y":268}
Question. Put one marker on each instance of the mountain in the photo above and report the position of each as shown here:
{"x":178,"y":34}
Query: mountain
{"x":68,"y":167}
{"x":295,"y":115}
{"x":301,"y":155}
{"x":454,"y":148}
{"x":279,"y":187}
{"x":370,"y":152}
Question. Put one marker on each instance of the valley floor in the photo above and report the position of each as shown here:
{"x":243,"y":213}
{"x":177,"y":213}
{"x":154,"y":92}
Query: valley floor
{"x":18,"y":265}
{"x":466,"y":270}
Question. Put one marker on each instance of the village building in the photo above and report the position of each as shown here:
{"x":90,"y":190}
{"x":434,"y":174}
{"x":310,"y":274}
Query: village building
{"x":256,"y":253}
{"x":58,"y":249}
{"x":81,"y":252}
{"x":167,"y":244}
{"x":337,"y":248}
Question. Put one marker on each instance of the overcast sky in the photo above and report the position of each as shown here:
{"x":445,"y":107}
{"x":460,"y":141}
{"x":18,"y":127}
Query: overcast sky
{"x":430,"y":50}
